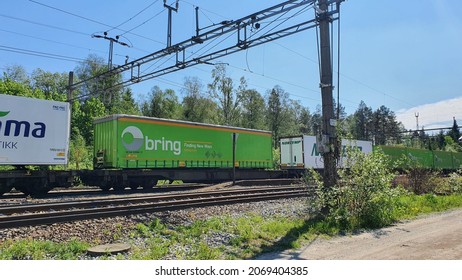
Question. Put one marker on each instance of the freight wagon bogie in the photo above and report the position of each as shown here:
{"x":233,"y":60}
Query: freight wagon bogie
{"x":33,"y":182}
{"x":119,"y":180}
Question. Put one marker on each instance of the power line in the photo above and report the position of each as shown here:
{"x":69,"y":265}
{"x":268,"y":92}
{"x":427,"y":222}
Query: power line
{"x":52,"y":41}
{"x":94,"y":21}
{"x":40,"y":54}
{"x":211,"y":12}
{"x":137,"y":14}
{"x":143,"y":23}
{"x":45,"y":25}
{"x":69,"y":13}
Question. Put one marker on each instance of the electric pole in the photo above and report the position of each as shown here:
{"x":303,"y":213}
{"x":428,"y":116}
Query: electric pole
{"x":111,"y":46}
{"x":169,"y":26}
{"x":329,"y":138}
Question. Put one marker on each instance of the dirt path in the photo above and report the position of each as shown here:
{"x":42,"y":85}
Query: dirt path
{"x":433,"y":237}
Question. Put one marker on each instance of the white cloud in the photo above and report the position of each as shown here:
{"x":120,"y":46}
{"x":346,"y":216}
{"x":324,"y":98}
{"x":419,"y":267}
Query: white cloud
{"x":435,"y":115}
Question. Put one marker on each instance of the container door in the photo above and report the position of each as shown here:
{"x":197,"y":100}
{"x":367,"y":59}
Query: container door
{"x":291,"y":152}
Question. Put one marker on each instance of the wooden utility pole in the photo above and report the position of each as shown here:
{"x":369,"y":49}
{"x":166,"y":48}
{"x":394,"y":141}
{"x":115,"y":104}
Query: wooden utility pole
{"x":328,"y":139}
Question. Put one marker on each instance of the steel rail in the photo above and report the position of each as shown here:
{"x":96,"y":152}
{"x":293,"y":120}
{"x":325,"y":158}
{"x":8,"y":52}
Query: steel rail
{"x":44,"y":218}
{"x":15,"y":209}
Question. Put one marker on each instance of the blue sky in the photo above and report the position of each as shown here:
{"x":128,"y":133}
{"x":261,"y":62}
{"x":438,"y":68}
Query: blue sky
{"x":405,"y":55}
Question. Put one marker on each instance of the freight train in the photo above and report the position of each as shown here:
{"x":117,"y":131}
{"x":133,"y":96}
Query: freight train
{"x":300,"y":152}
{"x":137,"y":152}
{"x":129,"y":151}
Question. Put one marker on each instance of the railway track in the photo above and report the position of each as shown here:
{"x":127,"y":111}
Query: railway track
{"x":95,"y":191}
{"x":50,"y":213}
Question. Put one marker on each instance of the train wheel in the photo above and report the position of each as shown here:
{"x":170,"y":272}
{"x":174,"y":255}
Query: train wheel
{"x":134,"y":186}
{"x":149,"y":184}
{"x":118,"y":188}
{"x":4,"y":188}
{"x":105,"y":187}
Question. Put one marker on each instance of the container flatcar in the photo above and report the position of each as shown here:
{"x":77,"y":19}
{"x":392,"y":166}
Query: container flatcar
{"x":133,"y":142}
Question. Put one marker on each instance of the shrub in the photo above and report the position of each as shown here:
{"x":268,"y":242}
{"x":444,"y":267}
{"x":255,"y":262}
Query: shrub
{"x":363,"y":197}
{"x":450,"y":185}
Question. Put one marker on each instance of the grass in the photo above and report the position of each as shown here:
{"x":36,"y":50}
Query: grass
{"x":38,"y":250}
{"x":221,"y":237}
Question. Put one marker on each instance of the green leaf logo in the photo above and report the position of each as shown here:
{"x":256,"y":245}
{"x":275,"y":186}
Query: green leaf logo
{"x":2,"y":114}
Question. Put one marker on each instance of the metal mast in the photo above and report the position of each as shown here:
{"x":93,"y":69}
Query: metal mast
{"x":329,"y":139}
{"x":169,"y":26}
{"x":111,"y":46}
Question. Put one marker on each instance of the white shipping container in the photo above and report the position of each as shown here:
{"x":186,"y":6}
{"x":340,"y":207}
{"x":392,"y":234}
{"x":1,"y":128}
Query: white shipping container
{"x":302,"y":152}
{"x":33,"y":131}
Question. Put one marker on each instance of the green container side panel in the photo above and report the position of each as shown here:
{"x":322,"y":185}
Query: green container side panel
{"x":457,"y":160}
{"x":423,"y":157}
{"x":105,"y":139}
{"x":443,"y":160}
{"x":395,"y":154}
{"x":153,"y":143}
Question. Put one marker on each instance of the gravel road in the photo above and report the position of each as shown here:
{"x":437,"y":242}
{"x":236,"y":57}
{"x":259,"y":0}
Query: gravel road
{"x":432,"y":237}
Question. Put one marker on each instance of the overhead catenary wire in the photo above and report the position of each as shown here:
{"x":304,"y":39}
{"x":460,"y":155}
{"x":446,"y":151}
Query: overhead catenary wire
{"x":91,"y":20}
{"x":45,"y":25}
{"x":52,"y":41}
{"x":143,"y":23}
{"x":131,"y":18}
{"x":40,"y":54}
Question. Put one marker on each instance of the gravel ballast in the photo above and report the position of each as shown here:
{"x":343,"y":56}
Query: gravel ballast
{"x":118,"y":229}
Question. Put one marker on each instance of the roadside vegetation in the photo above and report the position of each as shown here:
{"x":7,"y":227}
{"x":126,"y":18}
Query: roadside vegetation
{"x":366,"y":197}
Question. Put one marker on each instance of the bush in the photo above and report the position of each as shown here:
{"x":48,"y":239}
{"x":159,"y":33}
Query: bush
{"x":450,"y":185}
{"x":363,"y":197}
{"x":420,"y":180}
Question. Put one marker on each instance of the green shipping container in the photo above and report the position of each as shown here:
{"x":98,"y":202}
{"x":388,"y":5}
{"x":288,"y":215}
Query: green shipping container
{"x":443,"y":160}
{"x":123,"y":141}
{"x":423,"y":158}
{"x":457,"y":160}
{"x":395,"y":154}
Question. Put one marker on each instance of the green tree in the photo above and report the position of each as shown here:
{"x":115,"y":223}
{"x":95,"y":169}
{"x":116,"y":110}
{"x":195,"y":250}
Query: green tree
{"x":298,"y":119}
{"x":105,"y":89}
{"x":10,"y":87}
{"x":385,"y":126}
{"x":53,"y":85}
{"x":128,"y":104}
{"x":305,"y":121}
{"x":197,"y":107}
{"x":16,"y":73}
{"x":225,"y":96}
{"x":162,"y":104}
{"x":362,"y":123}
{"x":454,"y":133}
{"x":253,"y":110}
{"x":89,"y":110}
{"x":277,"y":112}
{"x":316,"y":121}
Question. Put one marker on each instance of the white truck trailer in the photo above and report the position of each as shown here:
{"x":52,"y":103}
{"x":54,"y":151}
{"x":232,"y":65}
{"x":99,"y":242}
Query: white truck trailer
{"x":301,"y":152}
{"x":33,"y":131}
